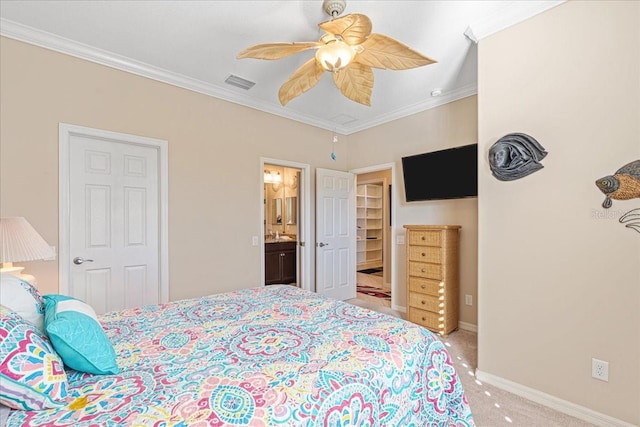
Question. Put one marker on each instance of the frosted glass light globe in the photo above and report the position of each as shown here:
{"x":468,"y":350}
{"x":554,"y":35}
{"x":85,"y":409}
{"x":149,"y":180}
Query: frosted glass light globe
{"x":335,"y":55}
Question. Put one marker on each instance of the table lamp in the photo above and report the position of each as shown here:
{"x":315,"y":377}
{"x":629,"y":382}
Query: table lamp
{"x":20,"y":242}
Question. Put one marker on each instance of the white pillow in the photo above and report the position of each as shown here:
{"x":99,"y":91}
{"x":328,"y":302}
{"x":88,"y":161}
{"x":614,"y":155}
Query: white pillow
{"x":4,"y":414}
{"x":23,"y":298}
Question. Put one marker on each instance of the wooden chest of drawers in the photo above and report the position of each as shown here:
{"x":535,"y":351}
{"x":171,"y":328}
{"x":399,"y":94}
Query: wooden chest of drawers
{"x":432,"y":276}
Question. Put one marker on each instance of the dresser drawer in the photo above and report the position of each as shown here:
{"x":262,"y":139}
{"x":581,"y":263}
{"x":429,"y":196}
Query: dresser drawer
{"x":423,"y":269}
{"x":427,"y":319}
{"x":425,"y":286}
{"x":424,"y":302}
{"x":425,"y":254}
{"x":424,"y":238}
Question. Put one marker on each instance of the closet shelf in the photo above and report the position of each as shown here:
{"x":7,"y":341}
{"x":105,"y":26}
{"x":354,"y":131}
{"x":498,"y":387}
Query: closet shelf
{"x":370,"y":221}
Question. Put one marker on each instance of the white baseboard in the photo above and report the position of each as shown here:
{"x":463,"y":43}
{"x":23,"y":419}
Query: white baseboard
{"x":468,"y":326}
{"x":400,"y":308}
{"x":553,"y":402}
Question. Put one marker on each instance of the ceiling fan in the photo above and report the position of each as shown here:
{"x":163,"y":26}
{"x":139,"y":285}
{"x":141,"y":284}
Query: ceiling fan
{"x":348,"y":49}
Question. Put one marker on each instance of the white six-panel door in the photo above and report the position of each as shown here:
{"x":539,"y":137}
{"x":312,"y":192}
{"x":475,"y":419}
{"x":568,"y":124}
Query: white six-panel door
{"x":114,"y":223}
{"x":335,"y":234}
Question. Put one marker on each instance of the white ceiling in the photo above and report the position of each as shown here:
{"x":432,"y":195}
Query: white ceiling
{"x":193,"y":44}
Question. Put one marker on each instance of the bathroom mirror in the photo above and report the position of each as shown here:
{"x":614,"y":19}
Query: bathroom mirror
{"x":290,"y":204}
{"x":276,"y":211}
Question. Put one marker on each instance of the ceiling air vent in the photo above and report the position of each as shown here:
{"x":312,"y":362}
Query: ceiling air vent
{"x":343,"y":119}
{"x":239,"y":82}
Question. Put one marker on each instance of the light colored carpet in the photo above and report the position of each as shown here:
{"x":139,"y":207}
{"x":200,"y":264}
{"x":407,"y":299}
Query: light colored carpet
{"x":491,"y":406}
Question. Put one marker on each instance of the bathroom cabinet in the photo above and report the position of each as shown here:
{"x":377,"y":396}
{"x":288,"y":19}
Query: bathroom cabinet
{"x":280,"y":263}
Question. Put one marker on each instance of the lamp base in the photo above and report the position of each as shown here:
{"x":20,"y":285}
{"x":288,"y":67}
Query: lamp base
{"x":16,"y":271}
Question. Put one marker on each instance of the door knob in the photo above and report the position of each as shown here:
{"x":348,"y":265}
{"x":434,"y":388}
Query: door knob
{"x":321,"y":245}
{"x":79,"y":260}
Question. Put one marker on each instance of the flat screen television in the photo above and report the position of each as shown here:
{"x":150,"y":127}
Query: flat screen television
{"x":446,"y":174}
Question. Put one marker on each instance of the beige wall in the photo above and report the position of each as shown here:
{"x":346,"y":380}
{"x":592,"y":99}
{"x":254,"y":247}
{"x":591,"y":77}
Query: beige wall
{"x":559,"y":285}
{"x":451,"y":125}
{"x":214,"y":159}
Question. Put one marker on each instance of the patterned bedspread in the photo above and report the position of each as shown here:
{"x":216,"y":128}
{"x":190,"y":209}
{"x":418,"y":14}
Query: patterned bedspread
{"x":269,"y":356}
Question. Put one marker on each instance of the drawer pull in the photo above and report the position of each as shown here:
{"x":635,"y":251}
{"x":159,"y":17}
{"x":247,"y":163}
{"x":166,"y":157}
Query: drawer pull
{"x":424,"y":319}
{"x":423,"y":254}
{"x":423,"y":302}
{"x":423,"y":286}
{"x":424,"y":270}
{"x":423,"y":238}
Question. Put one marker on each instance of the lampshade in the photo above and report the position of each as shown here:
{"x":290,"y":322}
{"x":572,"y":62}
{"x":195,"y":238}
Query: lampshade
{"x":21,"y":242}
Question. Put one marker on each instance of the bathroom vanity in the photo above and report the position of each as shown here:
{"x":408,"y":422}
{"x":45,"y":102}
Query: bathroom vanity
{"x":280,"y":262}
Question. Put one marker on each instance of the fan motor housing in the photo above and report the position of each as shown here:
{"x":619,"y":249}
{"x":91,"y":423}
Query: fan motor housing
{"x":334,"y":8}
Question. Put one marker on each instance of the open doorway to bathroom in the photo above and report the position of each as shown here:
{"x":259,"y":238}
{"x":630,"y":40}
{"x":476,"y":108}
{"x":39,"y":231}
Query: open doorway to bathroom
{"x":281,"y":225}
{"x":373,"y":236}
{"x":285,"y":223}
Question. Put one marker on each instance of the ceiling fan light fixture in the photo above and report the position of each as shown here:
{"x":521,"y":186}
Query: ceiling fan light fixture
{"x":335,"y":55}
{"x":347,"y":42}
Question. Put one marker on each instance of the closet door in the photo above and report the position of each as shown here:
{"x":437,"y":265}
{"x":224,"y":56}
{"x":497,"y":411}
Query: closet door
{"x":111,"y":244}
{"x":335,"y":234}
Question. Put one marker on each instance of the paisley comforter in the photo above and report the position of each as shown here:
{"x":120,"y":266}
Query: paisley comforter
{"x":269,"y":356}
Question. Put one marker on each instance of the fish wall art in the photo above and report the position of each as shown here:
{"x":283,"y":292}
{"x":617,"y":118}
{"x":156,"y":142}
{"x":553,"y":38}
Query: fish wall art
{"x":624,"y":184}
{"x":515,"y":156}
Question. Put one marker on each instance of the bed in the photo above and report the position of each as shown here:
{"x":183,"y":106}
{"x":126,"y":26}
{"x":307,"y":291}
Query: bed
{"x":267,"y":356}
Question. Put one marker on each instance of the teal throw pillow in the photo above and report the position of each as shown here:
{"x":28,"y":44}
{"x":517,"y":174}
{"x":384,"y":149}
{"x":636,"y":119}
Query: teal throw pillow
{"x":77,"y":336}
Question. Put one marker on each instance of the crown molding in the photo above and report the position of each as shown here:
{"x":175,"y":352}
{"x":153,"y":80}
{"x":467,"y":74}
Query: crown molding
{"x":525,"y":10}
{"x":79,"y":50}
{"x":56,"y":43}
{"x":429,"y":103}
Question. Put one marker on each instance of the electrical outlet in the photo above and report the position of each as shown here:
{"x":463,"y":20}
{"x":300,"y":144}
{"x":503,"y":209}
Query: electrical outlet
{"x":468,"y":299}
{"x":600,"y":369}
{"x":400,"y":240}
{"x":254,"y":240}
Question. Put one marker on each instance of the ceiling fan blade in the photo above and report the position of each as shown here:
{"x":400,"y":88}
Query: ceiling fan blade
{"x":276,"y":50}
{"x":355,"y":82}
{"x":303,"y":79}
{"x":354,"y":29}
{"x":382,"y":51}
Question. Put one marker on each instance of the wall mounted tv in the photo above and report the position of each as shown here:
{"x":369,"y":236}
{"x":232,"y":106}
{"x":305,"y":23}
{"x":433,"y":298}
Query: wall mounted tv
{"x":444,"y":174}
